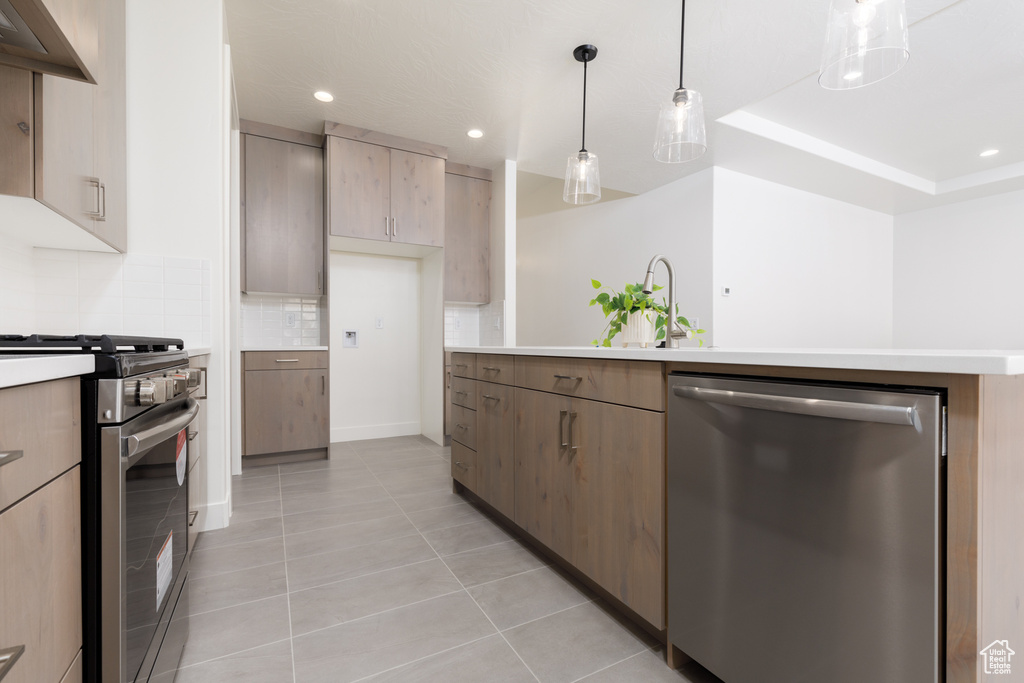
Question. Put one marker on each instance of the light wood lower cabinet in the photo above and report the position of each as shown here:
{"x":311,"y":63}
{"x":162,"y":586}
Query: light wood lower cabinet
{"x":41,"y":581}
{"x":495,"y":455}
{"x":286,"y":408}
{"x":197,"y":462}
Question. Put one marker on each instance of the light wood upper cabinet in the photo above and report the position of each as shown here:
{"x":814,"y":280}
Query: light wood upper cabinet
{"x":381,"y":193}
{"x":467,"y":239}
{"x":283,"y":207}
{"x":110,"y":119}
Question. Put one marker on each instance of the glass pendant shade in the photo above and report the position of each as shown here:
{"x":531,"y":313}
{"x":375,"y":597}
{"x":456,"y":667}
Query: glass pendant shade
{"x":680,"y":136}
{"x":867,"y":41}
{"x":582,"y":179}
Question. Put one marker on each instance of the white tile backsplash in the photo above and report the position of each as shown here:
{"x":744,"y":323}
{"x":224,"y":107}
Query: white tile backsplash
{"x":265,"y":321}
{"x":474,"y":325}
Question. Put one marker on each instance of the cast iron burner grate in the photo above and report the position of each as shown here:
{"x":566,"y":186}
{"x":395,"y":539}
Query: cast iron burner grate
{"x":104,"y":343}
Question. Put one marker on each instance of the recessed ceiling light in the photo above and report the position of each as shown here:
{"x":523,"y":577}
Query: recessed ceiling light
{"x":989,"y":153}
{"x":853,"y":75}
{"x":323,"y":96}
{"x":475,"y":133}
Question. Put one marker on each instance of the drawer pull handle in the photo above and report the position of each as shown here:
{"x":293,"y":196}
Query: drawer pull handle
{"x":461,"y":365}
{"x":10,"y":456}
{"x":458,"y":426}
{"x":491,"y":398}
{"x":575,"y":379}
{"x":286,"y":360}
{"x":460,"y":465}
{"x":461,"y":393}
{"x":8,"y":657}
{"x":192,"y":514}
{"x":492,"y":369}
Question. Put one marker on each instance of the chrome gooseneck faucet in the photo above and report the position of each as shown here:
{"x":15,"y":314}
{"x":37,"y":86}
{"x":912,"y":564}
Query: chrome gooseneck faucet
{"x":673,"y":331}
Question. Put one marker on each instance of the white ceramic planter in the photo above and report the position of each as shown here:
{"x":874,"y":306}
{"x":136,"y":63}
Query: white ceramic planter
{"x":639,"y":328}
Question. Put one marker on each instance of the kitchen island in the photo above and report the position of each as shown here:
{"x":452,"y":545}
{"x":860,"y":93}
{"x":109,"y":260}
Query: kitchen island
{"x":587,"y":397}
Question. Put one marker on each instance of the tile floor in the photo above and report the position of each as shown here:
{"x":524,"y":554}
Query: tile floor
{"x":367,"y":567}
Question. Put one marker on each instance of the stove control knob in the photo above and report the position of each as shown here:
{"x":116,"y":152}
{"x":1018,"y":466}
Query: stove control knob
{"x":145,"y":392}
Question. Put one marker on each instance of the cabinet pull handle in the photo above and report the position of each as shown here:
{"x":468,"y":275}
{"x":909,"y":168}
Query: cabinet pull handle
{"x":561,"y":429}
{"x":192,"y":514}
{"x":192,"y":434}
{"x":572,"y":442}
{"x":576,"y":379}
{"x":386,"y":226}
{"x":461,"y":365}
{"x":492,"y":369}
{"x":459,"y":464}
{"x":448,"y":381}
{"x":461,"y":393}
{"x":8,"y":657}
{"x":99,"y":210}
{"x":103,"y":202}
{"x":394,"y":227}
{"x":23,"y":127}
{"x":319,"y":281}
{"x":491,"y":398}
{"x":9,"y":457}
{"x":286,"y":360}
{"x":323,"y":385}
{"x":458,"y":426}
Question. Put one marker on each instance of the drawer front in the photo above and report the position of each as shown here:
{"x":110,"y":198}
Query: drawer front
{"x":464,"y":365}
{"x":464,"y":426}
{"x":493,"y":367}
{"x":284,"y":360}
{"x":41,"y":581}
{"x":464,"y":392}
{"x":639,"y":384}
{"x":464,"y":465}
{"x":42,"y":422}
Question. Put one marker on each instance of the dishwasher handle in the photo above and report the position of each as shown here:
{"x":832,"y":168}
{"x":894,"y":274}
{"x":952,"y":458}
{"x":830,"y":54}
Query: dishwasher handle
{"x":840,"y":410}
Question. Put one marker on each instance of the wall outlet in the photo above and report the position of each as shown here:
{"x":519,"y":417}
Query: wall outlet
{"x":497,"y":323}
{"x":726,"y":291}
{"x":695,"y":323}
{"x":458,"y":323}
{"x":379,"y":322}
{"x":289,"y":320}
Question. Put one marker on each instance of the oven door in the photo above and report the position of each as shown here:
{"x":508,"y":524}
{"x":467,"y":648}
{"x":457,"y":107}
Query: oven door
{"x":144,"y":518}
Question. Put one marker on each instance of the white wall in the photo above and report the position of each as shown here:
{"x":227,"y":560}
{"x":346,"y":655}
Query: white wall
{"x":959,"y":280}
{"x":612,"y":242}
{"x":504,"y":274}
{"x":803,"y":270}
{"x":375,"y":389}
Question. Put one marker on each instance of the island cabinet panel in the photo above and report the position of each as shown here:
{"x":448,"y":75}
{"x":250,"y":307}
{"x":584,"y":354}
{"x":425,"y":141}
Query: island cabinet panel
{"x":464,"y":426}
{"x":464,"y":365}
{"x":633,"y":383}
{"x":284,"y":225}
{"x":496,"y":367}
{"x":495,"y":458}
{"x":464,"y":392}
{"x":464,"y":465}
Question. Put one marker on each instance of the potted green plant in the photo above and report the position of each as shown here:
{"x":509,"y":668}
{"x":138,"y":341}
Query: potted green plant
{"x":639,"y":316}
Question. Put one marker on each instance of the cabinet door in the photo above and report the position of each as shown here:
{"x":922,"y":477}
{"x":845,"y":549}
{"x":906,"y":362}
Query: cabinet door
{"x":495,"y":454}
{"x":65,"y":155}
{"x":111,"y":111}
{"x":417,"y":198}
{"x":41,"y":580}
{"x":284,"y":247}
{"x":543,"y":477}
{"x":467,"y":239}
{"x":359,"y":189}
{"x":618,"y":491}
{"x":285,"y":410}
{"x":16,"y":128}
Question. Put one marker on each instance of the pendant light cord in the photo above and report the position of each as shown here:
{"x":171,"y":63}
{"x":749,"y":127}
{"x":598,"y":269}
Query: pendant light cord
{"x":682,"y":29}
{"x":583,"y":142}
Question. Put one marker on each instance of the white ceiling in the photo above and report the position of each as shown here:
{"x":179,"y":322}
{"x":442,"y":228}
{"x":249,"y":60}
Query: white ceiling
{"x":432,"y":69}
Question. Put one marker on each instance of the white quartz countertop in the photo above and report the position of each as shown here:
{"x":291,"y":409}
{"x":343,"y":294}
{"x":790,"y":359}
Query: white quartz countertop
{"x":21,"y":369}
{"x":286,"y":348}
{"x":967,"y":362}
{"x":199,"y":351}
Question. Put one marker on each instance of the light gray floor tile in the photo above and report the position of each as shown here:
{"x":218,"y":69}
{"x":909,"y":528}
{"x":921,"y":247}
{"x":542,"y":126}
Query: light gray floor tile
{"x":298,"y":501}
{"x":266,"y":664}
{"x":489,"y":659}
{"x":240,"y":532}
{"x":429,"y":500}
{"x":347,"y":536}
{"x":234,"y":588}
{"x":227,"y":631}
{"x":440,"y":480}
{"x":413,"y":459}
{"x":343,"y":601}
{"x":268,"y":489}
{"x":524,"y":597}
{"x":442,"y":518}
{"x":336,"y":516}
{"x":428,"y":466}
{"x":254,"y":511}
{"x":457,"y":539}
{"x":383,"y":641}
{"x":651,"y":666}
{"x":492,"y":562}
{"x":392,"y":444}
{"x":316,"y":570}
{"x":253,"y":472}
{"x":571,"y":644}
{"x":234,"y":557}
{"x":326,"y":481}
{"x":341,"y":460}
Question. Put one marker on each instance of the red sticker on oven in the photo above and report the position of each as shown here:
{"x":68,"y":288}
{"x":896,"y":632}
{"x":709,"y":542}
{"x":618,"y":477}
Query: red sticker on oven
{"x":181,"y":459}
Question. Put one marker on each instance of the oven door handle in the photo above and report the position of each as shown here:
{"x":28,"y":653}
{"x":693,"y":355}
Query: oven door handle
{"x":146,"y":438}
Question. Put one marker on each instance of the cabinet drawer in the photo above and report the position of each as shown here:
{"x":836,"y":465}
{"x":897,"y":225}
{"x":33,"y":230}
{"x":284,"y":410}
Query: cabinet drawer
{"x":42,"y":422}
{"x":464,"y":392}
{"x":639,"y":384}
{"x":493,"y":367}
{"x":464,"y":365}
{"x":464,"y":465}
{"x":41,"y":581}
{"x":464,"y":426}
{"x":284,"y":360}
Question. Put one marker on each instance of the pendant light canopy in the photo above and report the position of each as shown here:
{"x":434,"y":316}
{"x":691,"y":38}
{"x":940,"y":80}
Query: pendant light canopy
{"x":582,"y":180}
{"x":680,"y":136}
{"x":866,"y":42}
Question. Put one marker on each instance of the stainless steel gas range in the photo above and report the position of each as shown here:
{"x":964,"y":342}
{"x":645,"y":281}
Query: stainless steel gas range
{"x":136,"y":412}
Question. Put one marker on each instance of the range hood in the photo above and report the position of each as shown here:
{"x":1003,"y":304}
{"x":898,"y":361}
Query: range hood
{"x":59,"y":42}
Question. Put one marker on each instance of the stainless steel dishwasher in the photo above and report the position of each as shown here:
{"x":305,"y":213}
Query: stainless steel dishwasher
{"x":805,"y":530}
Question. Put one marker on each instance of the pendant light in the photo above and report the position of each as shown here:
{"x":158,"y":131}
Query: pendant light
{"x":680,"y":136}
{"x":582,"y":180}
{"x":866,"y":42}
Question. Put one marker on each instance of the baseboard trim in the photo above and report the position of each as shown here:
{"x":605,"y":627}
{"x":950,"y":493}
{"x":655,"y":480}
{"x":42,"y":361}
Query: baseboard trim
{"x":374,"y":431}
{"x":217,"y":515}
